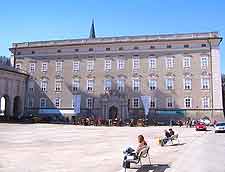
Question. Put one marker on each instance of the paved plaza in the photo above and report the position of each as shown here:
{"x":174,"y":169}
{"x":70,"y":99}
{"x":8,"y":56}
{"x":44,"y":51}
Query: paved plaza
{"x":68,"y":148}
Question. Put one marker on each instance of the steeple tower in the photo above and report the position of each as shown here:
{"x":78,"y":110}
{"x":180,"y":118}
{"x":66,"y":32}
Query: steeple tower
{"x":92,"y":31}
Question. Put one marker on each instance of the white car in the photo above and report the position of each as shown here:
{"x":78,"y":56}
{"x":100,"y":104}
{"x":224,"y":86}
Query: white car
{"x":220,"y":127}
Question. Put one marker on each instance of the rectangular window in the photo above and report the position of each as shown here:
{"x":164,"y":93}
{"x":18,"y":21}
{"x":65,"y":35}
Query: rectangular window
{"x":90,"y":85}
{"x":120,"y":85}
{"x":18,"y":66}
{"x":108,"y":65}
{"x":187,"y":84}
{"x":44,"y":86}
{"x":58,"y":85}
{"x":30,"y":102}
{"x":107,"y":85}
{"x":43,"y":103}
{"x":136,"y":63}
{"x":89,"y":103}
{"x":204,"y":62}
{"x":187,"y":102}
{"x":76,"y":85}
{"x":205,"y":102}
{"x":169,"y":84}
{"x":187,"y":62}
{"x":90,"y":65}
{"x":58,"y":102}
{"x":169,"y":62}
{"x":120,"y":64}
{"x":31,"y":86}
{"x":76,"y":66}
{"x":152,"y":84}
{"x":59,"y":66}
{"x":44,"y":67}
{"x":152,"y":63}
{"x":136,"y":103}
{"x":152,"y":102}
{"x":170,"y":102}
{"x":136,"y":85}
{"x":205,"y":83}
{"x":32,"y":67}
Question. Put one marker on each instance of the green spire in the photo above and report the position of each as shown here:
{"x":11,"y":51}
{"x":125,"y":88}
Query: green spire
{"x":92,"y":31}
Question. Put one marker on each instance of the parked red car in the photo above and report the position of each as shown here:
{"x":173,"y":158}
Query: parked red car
{"x":200,"y":126}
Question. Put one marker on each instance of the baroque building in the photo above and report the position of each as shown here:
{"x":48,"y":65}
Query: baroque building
{"x":124,"y":77}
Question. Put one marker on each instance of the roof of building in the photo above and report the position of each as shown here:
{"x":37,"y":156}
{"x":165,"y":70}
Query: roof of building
{"x":11,"y":69}
{"x":120,"y":39}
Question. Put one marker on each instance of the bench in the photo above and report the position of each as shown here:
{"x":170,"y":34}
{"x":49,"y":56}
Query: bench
{"x":144,"y":153}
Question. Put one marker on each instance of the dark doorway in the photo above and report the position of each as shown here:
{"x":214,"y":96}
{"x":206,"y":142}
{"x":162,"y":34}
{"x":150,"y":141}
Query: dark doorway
{"x":17,"y":106}
{"x":113,"y":112}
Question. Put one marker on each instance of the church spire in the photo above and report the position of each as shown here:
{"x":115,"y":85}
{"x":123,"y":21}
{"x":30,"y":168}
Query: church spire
{"x":92,"y":31}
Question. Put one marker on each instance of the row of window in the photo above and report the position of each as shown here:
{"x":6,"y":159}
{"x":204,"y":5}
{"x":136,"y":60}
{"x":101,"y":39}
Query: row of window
{"x":120,"y":84}
{"x":136,"y":103}
{"x":122,"y":48}
{"x":170,"y":63}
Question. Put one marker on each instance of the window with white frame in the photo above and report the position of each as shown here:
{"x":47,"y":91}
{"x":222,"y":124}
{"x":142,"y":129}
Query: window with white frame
{"x":120,"y":64}
{"x":205,"y":83}
{"x":187,"y":62}
{"x":58,"y":102}
{"x":136,"y":102}
{"x":169,"y":84}
{"x":31,"y":86}
{"x":43,"y":103}
{"x":136,"y":85}
{"x":90,"y":84}
{"x":58,"y":85}
{"x":187,"y":84}
{"x":76,"y":66}
{"x":108,"y":65}
{"x":107,"y":84}
{"x":44,"y":67}
{"x":44,"y":85}
{"x":152,"y":84}
{"x":32,"y":67}
{"x":136,"y":63}
{"x":205,"y":102}
{"x":152,"y":102}
{"x":90,"y":65}
{"x":76,"y":85}
{"x":169,"y":62}
{"x":204,"y":62}
{"x":170,"y":102}
{"x":152,"y":63}
{"x":89,"y":103}
{"x":187,"y":102}
{"x":18,"y":66}
{"x":120,"y":85}
{"x":30,"y":102}
{"x":59,"y":66}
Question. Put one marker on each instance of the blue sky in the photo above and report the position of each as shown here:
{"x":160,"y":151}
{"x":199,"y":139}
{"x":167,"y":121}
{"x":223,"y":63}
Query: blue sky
{"x":27,"y":20}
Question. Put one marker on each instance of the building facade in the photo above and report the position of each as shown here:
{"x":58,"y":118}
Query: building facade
{"x":124,"y":77}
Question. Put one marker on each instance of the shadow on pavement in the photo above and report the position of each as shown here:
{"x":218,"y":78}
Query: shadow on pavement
{"x":153,"y":168}
{"x":178,"y":144}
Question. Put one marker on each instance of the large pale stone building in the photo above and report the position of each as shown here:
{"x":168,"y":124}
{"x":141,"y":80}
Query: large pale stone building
{"x":172,"y":75}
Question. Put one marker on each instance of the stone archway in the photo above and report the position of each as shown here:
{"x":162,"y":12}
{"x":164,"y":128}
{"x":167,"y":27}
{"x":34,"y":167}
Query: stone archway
{"x":113,"y":112}
{"x":4,"y":106}
{"x":17,"y":106}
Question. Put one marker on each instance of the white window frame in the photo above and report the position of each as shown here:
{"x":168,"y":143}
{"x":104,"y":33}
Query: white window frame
{"x":204,"y":62}
{"x":120,"y":64}
{"x":185,"y":102}
{"x":58,"y":85}
{"x":120,"y":83}
{"x":90,"y":85}
{"x":89,"y":103}
{"x":187,"y":84}
{"x":187,"y":62}
{"x":32,"y":67}
{"x":58,"y":66}
{"x":152,"y":84}
{"x":136,"y":63}
{"x":108,"y":65}
{"x":170,"y":62}
{"x":205,"y":102}
{"x":135,"y":104}
{"x":152,"y":62}
{"x":57,"y":101}
{"x":90,"y":65}
{"x":107,"y":84}
{"x":170,"y":101}
{"x":75,"y":85}
{"x":31,"y":86}
{"x":136,"y":84}
{"x":152,"y":102}
{"x":169,"y":84}
{"x":44,"y":67}
{"x":205,"y":83}
{"x":44,"y":85}
{"x":76,"y":66}
{"x":45,"y":102}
